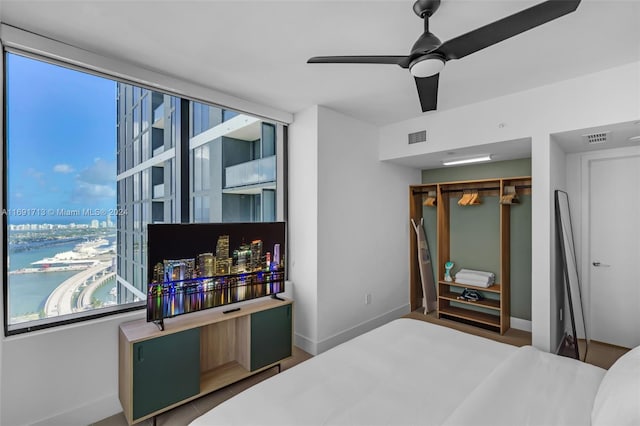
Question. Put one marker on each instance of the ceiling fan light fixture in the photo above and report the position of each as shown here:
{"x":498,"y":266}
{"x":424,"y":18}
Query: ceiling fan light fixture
{"x":427,"y":66}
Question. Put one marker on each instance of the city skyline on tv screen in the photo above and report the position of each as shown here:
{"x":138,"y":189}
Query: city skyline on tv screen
{"x":200,"y":266}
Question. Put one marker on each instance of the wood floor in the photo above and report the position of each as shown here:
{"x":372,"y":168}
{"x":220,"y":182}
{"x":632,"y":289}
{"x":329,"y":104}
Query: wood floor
{"x":512,"y":336}
{"x":600,"y":354}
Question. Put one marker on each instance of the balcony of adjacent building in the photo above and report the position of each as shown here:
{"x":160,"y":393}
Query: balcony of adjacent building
{"x":251,"y":177}
{"x":240,"y":127}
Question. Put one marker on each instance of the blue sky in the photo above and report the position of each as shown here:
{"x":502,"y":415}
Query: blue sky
{"x":61,"y":140}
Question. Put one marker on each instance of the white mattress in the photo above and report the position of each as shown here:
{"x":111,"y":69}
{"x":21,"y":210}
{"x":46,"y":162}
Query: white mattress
{"x":533,"y":388}
{"x":411,"y":372}
{"x":403,"y":373}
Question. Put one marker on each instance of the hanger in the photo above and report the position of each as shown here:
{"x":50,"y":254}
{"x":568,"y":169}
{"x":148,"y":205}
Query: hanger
{"x":509,"y":196}
{"x":464,"y":200}
{"x":475,"y":199}
{"x":470,"y":198}
{"x":431,"y":199}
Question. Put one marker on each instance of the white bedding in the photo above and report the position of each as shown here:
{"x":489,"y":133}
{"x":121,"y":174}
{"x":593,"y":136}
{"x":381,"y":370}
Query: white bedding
{"x":407,"y":372}
{"x":532,"y":388}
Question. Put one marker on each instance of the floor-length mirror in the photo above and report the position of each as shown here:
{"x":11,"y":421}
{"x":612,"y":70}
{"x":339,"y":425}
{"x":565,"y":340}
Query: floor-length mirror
{"x":575,"y":327}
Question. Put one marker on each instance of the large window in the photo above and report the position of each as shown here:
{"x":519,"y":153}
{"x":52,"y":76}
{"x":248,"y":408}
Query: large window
{"x":90,"y":162}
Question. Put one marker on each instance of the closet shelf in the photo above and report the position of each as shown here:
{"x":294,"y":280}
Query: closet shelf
{"x":495,"y":288}
{"x":485,"y":303}
{"x":467,"y":314}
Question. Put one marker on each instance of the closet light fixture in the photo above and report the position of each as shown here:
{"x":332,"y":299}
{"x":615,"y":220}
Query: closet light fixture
{"x":467,"y":160}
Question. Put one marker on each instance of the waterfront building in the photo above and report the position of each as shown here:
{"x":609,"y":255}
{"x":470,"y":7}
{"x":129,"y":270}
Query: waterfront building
{"x":222,"y":247}
{"x":276,"y":255}
{"x":179,"y":269}
{"x":256,"y":255}
{"x":206,"y":265}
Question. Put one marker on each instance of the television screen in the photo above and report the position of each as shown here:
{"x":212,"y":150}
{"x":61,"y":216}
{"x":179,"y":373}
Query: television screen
{"x":198,"y":266}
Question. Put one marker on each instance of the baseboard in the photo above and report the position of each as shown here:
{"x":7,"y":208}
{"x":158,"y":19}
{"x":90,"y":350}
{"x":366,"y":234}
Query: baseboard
{"x":361,"y":328}
{"x":314,"y":348}
{"x":306,"y":344}
{"x":86,"y":414}
{"x":520,"y":324}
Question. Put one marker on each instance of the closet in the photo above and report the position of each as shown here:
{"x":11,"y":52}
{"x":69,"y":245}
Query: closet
{"x":487,"y":205}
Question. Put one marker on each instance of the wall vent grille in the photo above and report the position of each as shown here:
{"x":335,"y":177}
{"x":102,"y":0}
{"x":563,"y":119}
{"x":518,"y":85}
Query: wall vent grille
{"x":418,"y":137}
{"x":594,"y":138}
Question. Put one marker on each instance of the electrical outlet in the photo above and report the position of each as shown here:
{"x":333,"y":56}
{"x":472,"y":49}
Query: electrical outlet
{"x":560,"y":314}
{"x":367,"y":299}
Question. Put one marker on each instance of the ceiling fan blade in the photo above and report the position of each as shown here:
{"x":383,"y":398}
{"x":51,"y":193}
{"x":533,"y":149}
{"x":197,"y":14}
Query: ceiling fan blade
{"x":428,"y":92}
{"x":505,"y":28}
{"x":403,"y":61}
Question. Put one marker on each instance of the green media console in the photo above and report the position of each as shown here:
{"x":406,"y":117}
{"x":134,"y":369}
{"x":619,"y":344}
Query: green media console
{"x":198,"y":353}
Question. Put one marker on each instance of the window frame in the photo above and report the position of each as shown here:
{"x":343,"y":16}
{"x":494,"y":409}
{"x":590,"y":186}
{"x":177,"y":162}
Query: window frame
{"x":33,"y":46}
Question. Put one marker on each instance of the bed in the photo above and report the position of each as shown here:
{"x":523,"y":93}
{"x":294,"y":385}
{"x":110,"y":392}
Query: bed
{"x":411,"y":372}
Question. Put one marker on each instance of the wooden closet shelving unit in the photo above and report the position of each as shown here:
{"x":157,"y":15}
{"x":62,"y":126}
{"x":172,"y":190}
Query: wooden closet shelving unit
{"x":495,"y":309}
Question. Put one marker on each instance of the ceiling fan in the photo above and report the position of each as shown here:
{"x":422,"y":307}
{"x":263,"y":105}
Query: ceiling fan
{"x":429,"y":55}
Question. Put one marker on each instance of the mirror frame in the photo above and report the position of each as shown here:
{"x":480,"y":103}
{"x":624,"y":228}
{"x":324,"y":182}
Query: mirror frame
{"x":570,"y":270}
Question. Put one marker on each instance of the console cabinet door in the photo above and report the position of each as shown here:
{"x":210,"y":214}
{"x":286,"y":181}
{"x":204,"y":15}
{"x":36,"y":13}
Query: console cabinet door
{"x":166,"y":370}
{"x":270,"y":336}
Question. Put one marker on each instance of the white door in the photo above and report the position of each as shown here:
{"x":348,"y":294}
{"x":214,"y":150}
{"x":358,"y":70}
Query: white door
{"x":614,"y":261}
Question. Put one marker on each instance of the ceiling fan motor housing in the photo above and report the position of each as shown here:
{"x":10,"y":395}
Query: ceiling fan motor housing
{"x":423,"y":63}
{"x":426,"y":8}
{"x":425,"y":43}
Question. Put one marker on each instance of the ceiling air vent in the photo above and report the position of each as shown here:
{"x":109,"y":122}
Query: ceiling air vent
{"x":594,"y":138}
{"x":418,"y":137}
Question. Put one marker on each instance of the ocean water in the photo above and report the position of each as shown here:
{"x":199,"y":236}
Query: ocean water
{"x":29,"y":292}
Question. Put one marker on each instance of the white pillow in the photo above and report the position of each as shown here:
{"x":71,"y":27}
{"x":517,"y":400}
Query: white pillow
{"x":617,"y":401}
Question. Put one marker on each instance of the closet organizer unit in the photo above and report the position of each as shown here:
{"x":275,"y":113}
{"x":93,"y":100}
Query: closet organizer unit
{"x":493,"y":311}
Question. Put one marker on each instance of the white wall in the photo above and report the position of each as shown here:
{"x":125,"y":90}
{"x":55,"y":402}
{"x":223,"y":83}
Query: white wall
{"x":64,"y":376}
{"x":303,"y":226}
{"x":606,"y":97}
{"x":363,"y":230}
{"x":348,"y":229}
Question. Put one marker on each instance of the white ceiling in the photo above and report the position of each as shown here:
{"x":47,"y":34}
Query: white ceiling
{"x":257,"y":50}
{"x":619,"y":135}
{"x":499,"y":151}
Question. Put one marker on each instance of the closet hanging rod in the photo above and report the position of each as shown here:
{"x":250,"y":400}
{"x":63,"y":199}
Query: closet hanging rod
{"x":490,"y":188}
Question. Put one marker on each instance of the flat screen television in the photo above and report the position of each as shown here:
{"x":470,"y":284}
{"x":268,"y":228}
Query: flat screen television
{"x":199,"y":266}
